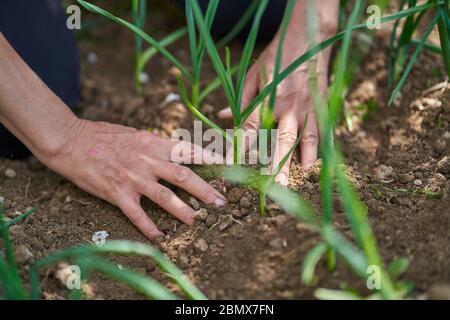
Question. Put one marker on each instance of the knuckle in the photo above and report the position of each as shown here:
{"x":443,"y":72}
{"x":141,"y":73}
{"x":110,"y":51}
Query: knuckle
{"x":182,"y":174}
{"x":162,"y":195}
{"x":288,"y":137}
{"x":134,"y":215}
{"x":310,"y":138}
{"x":251,"y":124}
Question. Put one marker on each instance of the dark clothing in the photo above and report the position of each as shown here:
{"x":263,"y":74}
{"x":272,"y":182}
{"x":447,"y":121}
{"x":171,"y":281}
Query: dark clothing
{"x":230,"y":11}
{"x":37,"y":31}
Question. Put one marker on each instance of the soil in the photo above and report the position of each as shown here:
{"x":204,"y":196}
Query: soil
{"x":395,"y":155}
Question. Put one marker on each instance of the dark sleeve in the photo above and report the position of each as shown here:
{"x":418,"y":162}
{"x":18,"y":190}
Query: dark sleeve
{"x":37,"y":30}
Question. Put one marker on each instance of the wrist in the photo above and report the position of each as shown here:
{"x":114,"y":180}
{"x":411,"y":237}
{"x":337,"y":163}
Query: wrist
{"x":58,"y":138}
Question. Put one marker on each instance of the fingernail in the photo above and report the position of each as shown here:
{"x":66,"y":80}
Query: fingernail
{"x":219,"y":202}
{"x":282,"y":179}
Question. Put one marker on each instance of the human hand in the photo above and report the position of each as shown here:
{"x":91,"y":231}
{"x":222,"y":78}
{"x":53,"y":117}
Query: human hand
{"x":121,"y":164}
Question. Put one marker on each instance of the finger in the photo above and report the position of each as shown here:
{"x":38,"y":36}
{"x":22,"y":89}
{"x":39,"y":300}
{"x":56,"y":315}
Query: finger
{"x":309,"y":143}
{"x":186,"y":179}
{"x":183,"y":152}
{"x":167,"y":200}
{"x":286,"y":138}
{"x":225,"y":113}
{"x":133,"y":210}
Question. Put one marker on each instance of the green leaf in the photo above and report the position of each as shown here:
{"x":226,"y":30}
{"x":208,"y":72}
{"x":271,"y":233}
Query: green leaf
{"x":246,"y":57}
{"x":212,"y":51}
{"x":293,"y":204}
{"x":145,"y":285}
{"x":123,"y":248}
{"x":23,"y":216}
{"x":327,"y":294}
{"x":397,"y":267}
{"x":310,"y":262}
{"x":413,"y":59}
{"x":139,"y":32}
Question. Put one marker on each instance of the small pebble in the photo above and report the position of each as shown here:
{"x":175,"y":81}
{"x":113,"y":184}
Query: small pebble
{"x":54,"y":211}
{"x":406,"y":177}
{"x":10,"y":173}
{"x":23,"y":254}
{"x":201,"y":214}
{"x":200,"y":245}
{"x":278,"y":243}
{"x":225,"y":223}
{"x":245,"y":203}
{"x":418,"y":182}
{"x":236,"y":213}
{"x":171,"y":97}
{"x":383,"y":173}
{"x":211,"y":220}
{"x":144,"y":77}
{"x":183,"y":261}
{"x":194,"y":203}
{"x":444,"y":165}
{"x":301,"y":227}
{"x":17,"y":232}
{"x":235,"y":195}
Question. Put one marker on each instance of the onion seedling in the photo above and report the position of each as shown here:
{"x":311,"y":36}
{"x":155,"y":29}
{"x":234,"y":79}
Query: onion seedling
{"x":87,"y":257}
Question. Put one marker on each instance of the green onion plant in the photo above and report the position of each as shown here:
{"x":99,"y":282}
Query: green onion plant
{"x":362,"y":252}
{"x":88,"y":258}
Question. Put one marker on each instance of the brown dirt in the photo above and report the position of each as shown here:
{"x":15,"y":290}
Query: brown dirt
{"x":254,"y":257}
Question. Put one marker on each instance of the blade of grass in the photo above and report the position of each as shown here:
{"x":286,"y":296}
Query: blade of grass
{"x":23,"y":216}
{"x":139,"y":32}
{"x":318,"y":48}
{"x":145,"y":285}
{"x":336,"y":96}
{"x":9,"y":262}
{"x":414,"y":57}
{"x":124,"y":248}
{"x":356,"y":214}
{"x":166,"y":41}
{"x":212,"y":51}
{"x":393,"y":47}
{"x":192,"y":34}
{"x":213,"y":85}
{"x":197,"y":113}
{"x":310,"y":262}
{"x":246,"y":57}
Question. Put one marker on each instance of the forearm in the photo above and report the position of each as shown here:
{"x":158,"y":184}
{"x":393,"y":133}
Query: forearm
{"x":28,"y":108}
